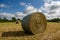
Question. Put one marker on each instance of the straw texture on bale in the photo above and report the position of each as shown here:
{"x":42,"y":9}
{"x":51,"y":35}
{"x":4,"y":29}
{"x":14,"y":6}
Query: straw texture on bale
{"x":34,"y":23}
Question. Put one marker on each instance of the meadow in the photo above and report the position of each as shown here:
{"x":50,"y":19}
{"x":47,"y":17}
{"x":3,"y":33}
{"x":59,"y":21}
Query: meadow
{"x":13,"y":31}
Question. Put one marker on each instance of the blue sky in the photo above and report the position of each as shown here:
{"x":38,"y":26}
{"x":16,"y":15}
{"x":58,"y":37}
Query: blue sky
{"x":14,"y":5}
{"x":22,"y":8}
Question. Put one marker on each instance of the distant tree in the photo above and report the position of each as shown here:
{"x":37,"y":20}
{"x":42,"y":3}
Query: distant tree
{"x":13,"y":19}
{"x":5,"y":20}
{"x":0,"y":19}
{"x":54,"y":20}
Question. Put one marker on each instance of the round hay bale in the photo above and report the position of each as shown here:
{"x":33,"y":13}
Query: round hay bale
{"x":34,"y":23}
{"x":17,"y":21}
{"x":58,"y":21}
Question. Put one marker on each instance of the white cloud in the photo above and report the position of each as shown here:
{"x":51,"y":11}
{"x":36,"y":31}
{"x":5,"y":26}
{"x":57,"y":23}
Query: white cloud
{"x":48,"y":1}
{"x":28,"y":10}
{"x":31,"y":9}
{"x":3,"y":5}
{"x":7,"y":15}
{"x":19,"y":15}
{"x":22,"y":4}
{"x":51,"y":9}
{"x":25,"y":4}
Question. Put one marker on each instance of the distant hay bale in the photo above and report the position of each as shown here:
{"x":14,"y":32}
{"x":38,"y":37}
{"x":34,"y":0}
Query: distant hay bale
{"x":58,"y":21}
{"x":34,"y":23}
{"x":17,"y":21}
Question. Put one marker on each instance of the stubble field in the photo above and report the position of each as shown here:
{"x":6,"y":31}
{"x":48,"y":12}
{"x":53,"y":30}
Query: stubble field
{"x":13,"y":31}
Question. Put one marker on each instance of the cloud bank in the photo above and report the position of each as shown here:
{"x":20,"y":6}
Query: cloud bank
{"x":7,"y":15}
{"x":51,"y":9}
{"x":3,"y":5}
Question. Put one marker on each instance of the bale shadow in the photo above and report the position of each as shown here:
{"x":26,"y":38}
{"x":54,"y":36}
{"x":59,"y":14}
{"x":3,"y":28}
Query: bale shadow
{"x":15,"y":34}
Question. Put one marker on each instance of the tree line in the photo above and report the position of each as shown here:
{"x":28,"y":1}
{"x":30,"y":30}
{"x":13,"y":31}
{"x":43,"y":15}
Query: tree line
{"x":6,"y":20}
{"x":14,"y":20}
{"x":54,"y":20}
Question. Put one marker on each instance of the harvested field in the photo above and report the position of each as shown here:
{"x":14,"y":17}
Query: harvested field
{"x":13,"y":31}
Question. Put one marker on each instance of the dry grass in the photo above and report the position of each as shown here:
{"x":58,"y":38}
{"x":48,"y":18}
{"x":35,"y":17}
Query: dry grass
{"x":8,"y":26}
{"x":13,"y":31}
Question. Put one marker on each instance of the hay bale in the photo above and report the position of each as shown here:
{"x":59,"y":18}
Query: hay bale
{"x":17,"y":21}
{"x":58,"y":21}
{"x":34,"y":23}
